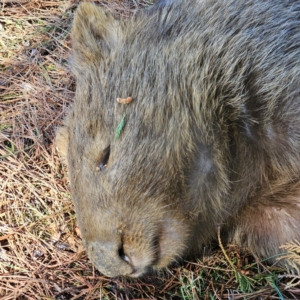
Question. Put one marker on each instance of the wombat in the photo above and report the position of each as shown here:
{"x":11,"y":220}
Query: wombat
{"x":205,"y":135}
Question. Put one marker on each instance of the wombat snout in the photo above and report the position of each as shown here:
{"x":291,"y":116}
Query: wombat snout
{"x":132,"y":251}
{"x":110,"y":259}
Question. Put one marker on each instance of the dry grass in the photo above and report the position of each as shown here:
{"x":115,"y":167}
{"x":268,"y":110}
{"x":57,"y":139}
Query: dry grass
{"x":41,"y":255}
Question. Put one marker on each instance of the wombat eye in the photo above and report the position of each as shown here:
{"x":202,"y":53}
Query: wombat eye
{"x":104,"y":159}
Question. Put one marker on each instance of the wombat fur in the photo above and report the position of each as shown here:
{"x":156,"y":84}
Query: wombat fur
{"x":211,"y":138}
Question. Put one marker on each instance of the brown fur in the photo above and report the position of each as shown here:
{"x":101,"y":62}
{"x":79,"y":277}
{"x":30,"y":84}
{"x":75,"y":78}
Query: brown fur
{"x":211,"y":137}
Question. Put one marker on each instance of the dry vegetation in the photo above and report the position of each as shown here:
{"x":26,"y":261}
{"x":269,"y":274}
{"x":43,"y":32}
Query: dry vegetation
{"x":41,"y":255}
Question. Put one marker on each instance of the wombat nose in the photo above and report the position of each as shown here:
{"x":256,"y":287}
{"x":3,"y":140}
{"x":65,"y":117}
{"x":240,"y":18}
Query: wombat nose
{"x":109,"y":259}
{"x":123,"y":255}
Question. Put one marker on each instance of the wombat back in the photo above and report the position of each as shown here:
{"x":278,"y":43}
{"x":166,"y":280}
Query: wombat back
{"x":205,"y":132}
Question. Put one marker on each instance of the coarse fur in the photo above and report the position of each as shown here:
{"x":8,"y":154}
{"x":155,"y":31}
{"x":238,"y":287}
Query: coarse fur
{"x":211,"y":137}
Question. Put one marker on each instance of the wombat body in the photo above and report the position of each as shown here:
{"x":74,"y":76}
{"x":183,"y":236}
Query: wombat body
{"x":211,"y":138}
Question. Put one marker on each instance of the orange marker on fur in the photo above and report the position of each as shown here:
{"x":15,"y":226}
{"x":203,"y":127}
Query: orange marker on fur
{"x":125,"y":100}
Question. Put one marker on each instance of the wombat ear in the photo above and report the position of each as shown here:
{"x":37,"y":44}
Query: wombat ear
{"x":62,"y":142}
{"x":94,"y":34}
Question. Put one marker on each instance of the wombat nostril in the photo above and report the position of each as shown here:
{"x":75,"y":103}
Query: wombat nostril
{"x":104,"y":159}
{"x":123,"y":255}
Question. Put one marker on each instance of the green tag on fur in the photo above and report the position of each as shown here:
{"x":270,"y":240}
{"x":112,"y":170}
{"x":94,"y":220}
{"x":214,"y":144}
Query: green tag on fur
{"x":120,"y":127}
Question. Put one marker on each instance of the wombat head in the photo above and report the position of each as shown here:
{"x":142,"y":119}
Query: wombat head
{"x":127,"y":162}
{"x":200,"y":137}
